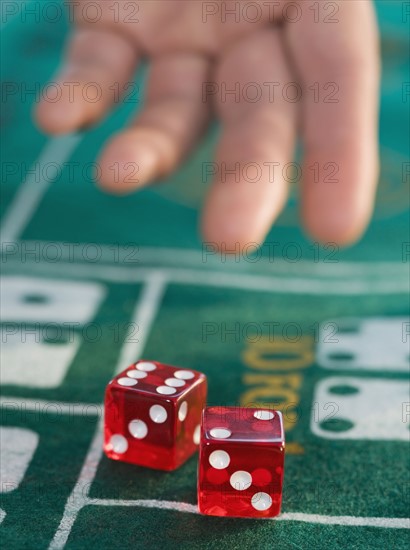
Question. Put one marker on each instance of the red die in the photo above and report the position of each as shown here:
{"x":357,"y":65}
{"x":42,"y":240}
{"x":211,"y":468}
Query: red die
{"x":241,"y":460}
{"x":153,"y":415}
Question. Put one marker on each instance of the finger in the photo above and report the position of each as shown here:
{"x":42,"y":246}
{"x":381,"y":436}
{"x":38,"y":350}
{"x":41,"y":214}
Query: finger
{"x":172,"y":119}
{"x":98,"y":65}
{"x":257,"y":142}
{"x":341,"y":61}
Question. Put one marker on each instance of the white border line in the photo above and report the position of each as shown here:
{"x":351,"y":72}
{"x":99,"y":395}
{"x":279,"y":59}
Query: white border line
{"x":144,"y":316}
{"x":30,"y":193}
{"x":150,"y":256}
{"x":219,"y":279}
{"x":351,"y":521}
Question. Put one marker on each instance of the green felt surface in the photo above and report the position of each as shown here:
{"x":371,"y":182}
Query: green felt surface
{"x":154,"y":234}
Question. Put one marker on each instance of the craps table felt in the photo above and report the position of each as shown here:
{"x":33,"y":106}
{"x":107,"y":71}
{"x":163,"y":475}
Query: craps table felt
{"x":92,"y":281}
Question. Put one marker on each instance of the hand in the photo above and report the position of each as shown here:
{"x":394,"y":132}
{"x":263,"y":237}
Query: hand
{"x":188,"y":46}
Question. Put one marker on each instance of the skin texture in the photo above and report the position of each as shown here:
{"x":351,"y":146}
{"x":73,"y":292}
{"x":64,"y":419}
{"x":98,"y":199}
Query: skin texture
{"x":189,"y":43}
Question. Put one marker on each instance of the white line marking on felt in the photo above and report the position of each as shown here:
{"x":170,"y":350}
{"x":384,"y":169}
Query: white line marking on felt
{"x":159,"y":504}
{"x":143,"y":317}
{"x":30,"y":193}
{"x":261,"y":283}
{"x":197,"y":258}
{"x":185,"y":507}
{"x":350,"y":521}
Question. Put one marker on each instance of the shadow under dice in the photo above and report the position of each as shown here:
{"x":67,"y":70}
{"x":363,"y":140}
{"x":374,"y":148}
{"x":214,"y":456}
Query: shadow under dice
{"x":241,"y":462}
{"x":153,"y":414}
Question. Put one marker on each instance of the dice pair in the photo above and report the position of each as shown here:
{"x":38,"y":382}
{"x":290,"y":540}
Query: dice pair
{"x":155,"y":416}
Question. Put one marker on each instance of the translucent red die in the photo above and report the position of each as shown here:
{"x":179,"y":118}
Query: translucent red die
{"x":153,"y":414}
{"x":241,"y":460}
